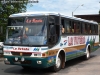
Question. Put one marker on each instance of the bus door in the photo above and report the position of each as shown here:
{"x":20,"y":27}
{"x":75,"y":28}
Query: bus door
{"x":53,"y":30}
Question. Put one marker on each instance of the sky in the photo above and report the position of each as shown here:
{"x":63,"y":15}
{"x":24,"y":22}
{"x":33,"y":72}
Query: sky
{"x":78,"y":7}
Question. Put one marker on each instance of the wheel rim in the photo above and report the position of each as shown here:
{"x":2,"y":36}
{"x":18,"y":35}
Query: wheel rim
{"x":88,"y":54}
{"x":58,"y":62}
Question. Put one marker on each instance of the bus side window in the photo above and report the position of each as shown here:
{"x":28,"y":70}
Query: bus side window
{"x":88,"y":28}
{"x":72,"y":27}
{"x":72,"y":30}
{"x":96,"y":28}
{"x":83,"y":28}
{"x":75,"y":26}
{"x":92,"y":29}
{"x":62,"y":26}
{"x":78,"y":28}
{"x":67,"y":26}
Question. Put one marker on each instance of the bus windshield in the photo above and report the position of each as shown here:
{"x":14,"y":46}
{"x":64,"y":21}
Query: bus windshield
{"x":32,"y":32}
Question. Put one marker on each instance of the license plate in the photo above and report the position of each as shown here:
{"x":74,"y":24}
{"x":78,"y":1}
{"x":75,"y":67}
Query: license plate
{"x":17,"y":62}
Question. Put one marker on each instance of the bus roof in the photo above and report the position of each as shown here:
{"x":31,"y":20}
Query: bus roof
{"x":33,"y":14}
{"x":79,"y":19}
{"x":49,"y":13}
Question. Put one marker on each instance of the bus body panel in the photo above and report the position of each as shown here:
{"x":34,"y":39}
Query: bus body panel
{"x":50,"y":55}
{"x":73,"y":44}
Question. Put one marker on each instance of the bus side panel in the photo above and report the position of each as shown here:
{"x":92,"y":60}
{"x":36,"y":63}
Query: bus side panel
{"x":73,"y":52}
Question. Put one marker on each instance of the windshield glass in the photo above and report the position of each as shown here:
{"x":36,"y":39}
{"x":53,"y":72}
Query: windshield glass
{"x":14,"y":34}
{"x":35,"y":35}
{"x":33,"y":32}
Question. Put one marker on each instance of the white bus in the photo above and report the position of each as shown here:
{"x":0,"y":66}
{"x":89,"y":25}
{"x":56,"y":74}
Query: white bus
{"x":36,"y":40}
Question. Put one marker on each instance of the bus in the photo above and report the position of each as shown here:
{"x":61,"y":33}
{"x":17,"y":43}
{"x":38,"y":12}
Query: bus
{"x":35,"y":39}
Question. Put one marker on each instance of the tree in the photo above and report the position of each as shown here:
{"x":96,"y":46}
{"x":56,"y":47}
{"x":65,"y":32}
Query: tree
{"x":99,"y":12}
{"x":7,"y":8}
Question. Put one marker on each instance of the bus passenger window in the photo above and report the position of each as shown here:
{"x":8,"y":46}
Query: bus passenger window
{"x":75,"y":26}
{"x":67,"y":26}
{"x":83,"y":28}
{"x":88,"y":28}
{"x":72,"y":30}
{"x":72,"y":27}
{"x":63,"y":30}
{"x":96,"y":28}
{"x":92,"y":28}
{"x":78,"y":28}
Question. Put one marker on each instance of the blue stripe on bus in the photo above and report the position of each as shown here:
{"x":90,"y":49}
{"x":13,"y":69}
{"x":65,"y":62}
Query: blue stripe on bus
{"x":96,"y":46}
{"x":68,"y":53}
{"x":73,"y":52}
{"x":77,"y":51}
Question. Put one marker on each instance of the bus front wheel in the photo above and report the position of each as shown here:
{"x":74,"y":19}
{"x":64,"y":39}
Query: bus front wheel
{"x":87,"y":55}
{"x":57,"y":66}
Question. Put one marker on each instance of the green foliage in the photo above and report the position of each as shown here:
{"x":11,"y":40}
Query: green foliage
{"x":9,"y":8}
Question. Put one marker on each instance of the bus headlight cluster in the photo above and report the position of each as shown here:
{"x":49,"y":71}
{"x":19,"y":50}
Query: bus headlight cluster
{"x":39,"y":62}
{"x":6,"y":53}
{"x":16,"y":58}
{"x":6,"y":61}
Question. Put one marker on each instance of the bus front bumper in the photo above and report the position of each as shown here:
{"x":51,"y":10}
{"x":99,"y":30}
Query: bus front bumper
{"x":28,"y":61}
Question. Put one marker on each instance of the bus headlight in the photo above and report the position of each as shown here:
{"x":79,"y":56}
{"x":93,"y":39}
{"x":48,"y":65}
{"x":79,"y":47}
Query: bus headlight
{"x":16,"y":58}
{"x":6,"y":53}
{"x":6,"y":61}
{"x":22,"y":59}
{"x":39,"y":62}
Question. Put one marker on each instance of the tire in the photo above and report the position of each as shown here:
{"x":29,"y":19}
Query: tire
{"x":87,"y":55}
{"x":57,"y":66}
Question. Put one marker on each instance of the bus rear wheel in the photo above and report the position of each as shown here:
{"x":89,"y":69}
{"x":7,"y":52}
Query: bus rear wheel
{"x":57,"y":66}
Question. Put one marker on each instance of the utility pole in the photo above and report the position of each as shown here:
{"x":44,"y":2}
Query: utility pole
{"x":76,"y":8}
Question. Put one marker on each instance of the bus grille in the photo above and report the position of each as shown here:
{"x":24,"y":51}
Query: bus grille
{"x":21,"y":53}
